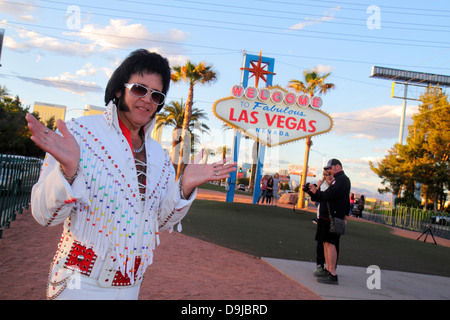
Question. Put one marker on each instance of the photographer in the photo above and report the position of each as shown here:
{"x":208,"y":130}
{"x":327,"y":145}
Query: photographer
{"x":337,"y":198}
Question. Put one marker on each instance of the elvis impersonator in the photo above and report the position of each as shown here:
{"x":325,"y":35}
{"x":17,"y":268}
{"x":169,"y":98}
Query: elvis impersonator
{"x":113,"y":186}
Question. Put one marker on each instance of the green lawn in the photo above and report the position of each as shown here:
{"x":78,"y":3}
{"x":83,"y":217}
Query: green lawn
{"x":280,"y":233}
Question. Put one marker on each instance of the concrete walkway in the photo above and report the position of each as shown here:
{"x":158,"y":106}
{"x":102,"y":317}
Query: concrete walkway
{"x":394,"y":285}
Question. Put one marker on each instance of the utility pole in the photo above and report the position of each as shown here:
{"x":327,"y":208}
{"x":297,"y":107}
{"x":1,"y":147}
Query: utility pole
{"x":402,"y":120}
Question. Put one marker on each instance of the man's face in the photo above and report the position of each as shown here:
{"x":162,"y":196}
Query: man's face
{"x":335,"y":169}
{"x":141,"y":110}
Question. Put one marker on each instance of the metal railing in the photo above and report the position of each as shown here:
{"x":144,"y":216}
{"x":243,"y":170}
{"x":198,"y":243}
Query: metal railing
{"x":414,"y":219}
{"x":18,"y":174}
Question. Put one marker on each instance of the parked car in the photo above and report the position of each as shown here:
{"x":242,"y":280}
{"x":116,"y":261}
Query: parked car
{"x":241,"y":187}
{"x":444,"y":220}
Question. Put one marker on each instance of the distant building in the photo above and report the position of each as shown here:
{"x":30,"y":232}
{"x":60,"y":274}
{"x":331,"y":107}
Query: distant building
{"x":91,"y":110}
{"x":295,"y":169}
{"x":284,"y":179}
{"x":48,"y":110}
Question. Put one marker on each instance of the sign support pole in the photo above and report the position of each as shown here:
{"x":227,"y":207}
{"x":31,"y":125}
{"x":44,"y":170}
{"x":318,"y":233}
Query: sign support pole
{"x":231,"y":183}
{"x":259,"y":171}
{"x":237,"y":135}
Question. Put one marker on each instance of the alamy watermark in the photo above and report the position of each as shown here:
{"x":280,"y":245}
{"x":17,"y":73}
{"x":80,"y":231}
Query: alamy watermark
{"x":73,"y":17}
{"x":374,"y":280}
{"x":374,"y":20}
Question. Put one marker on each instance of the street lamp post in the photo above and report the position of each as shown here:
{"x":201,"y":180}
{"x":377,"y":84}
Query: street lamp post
{"x":301,"y":198}
{"x":84,"y":110}
{"x":323,"y":155}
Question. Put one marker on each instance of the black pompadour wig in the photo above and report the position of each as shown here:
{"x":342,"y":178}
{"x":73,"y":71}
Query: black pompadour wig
{"x":139,"y":61}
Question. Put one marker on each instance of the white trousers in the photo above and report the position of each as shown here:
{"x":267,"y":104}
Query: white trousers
{"x":88,"y":291}
{"x":78,"y":287}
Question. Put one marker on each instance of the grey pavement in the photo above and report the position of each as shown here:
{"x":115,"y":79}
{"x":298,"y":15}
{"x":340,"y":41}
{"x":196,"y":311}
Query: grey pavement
{"x":353,"y":283}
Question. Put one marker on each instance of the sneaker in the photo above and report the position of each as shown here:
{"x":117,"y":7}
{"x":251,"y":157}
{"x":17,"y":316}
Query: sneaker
{"x":330,"y":279}
{"x":314,"y":220}
{"x":320,"y":272}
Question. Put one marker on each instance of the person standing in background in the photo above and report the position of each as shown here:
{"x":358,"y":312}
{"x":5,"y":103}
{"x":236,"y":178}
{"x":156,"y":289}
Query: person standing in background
{"x":361,"y":204}
{"x":337,"y":196}
{"x":262,"y":195}
{"x":276,"y":189}
{"x":323,"y":185}
{"x":269,"y":192}
{"x":352,"y":203}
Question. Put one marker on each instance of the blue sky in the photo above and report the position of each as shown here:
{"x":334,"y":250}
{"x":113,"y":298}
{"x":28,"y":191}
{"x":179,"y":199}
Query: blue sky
{"x":63,"y":52}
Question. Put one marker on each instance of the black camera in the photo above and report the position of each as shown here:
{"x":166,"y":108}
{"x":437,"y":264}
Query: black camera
{"x":306,"y":187}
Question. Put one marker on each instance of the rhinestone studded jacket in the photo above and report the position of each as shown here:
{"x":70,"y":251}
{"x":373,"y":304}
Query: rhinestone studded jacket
{"x":103,"y":209}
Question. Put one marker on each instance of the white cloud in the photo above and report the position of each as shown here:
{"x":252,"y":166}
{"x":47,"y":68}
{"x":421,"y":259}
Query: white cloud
{"x":328,"y":16}
{"x":22,"y":11}
{"x":323,"y":69}
{"x":119,"y":33}
{"x":28,"y":40}
{"x":73,"y":82}
{"x":91,"y":39}
{"x":67,"y":82}
{"x":90,"y":70}
{"x":381,"y":122}
{"x":362,"y":160}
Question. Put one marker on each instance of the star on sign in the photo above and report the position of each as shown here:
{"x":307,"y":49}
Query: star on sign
{"x":258,"y":70}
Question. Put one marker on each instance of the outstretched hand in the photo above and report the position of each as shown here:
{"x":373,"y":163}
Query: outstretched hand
{"x":196,"y":174}
{"x":64,"y":148}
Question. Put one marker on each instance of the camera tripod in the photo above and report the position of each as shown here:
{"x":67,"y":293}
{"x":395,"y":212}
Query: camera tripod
{"x":426,"y":232}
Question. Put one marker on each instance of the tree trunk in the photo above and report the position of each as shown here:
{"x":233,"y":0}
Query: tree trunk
{"x":176,"y":139}
{"x":301,"y":196}
{"x":185,"y":135}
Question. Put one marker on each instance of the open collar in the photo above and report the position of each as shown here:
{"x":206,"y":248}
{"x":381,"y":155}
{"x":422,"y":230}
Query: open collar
{"x":113,"y":121}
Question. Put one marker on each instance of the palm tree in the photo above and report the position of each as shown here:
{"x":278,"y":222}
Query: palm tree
{"x":314,"y":83}
{"x":191,"y":74}
{"x":173,"y":116}
{"x":3,"y":92}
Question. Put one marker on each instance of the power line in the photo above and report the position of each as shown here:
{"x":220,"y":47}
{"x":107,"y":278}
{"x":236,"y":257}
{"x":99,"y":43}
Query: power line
{"x":362,"y":6}
{"x":225,"y":50}
{"x":407,"y":27}
{"x":362,"y":38}
{"x":272,"y":11}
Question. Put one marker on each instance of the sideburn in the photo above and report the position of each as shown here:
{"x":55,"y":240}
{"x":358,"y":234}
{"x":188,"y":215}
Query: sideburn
{"x":122,"y":106}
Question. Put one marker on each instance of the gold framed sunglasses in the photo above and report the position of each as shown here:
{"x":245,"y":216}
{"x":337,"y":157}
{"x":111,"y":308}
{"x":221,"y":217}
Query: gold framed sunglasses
{"x":140,"y":91}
